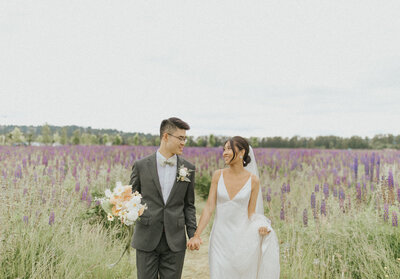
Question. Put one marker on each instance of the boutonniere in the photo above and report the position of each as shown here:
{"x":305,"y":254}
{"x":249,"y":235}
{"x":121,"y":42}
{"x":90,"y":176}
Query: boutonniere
{"x":183,"y":174}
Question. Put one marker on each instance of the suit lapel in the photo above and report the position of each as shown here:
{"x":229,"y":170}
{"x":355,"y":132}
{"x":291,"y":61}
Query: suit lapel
{"x":174,"y":187}
{"x":152,"y":167}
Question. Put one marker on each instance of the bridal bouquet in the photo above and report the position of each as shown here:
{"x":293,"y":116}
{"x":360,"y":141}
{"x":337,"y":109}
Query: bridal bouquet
{"x":121,"y":203}
{"x":124,"y":205}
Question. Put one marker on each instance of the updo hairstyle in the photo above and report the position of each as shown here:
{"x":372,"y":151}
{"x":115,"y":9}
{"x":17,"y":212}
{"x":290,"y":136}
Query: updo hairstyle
{"x":241,"y":144}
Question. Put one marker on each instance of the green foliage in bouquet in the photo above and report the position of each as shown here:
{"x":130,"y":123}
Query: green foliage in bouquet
{"x":97,"y":214}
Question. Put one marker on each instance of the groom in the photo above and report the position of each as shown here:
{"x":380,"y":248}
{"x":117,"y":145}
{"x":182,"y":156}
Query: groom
{"x":168,"y":190}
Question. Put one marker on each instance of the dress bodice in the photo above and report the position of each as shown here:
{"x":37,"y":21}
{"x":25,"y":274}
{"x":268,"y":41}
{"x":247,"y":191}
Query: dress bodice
{"x":241,"y":199}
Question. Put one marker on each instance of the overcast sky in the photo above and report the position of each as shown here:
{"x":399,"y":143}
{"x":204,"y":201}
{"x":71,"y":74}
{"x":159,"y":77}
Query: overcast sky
{"x":250,"y":68}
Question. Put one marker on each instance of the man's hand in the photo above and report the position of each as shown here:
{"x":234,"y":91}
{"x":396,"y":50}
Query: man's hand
{"x":194,"y":243}
{"x":263,"y":231}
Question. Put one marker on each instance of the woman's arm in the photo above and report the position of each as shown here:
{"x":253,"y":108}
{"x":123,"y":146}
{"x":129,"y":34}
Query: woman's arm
{"x":255,"y":188}
{"x":195,"y":241}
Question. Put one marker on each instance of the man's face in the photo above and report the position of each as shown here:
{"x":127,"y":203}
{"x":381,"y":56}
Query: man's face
{"x":176,"y":141}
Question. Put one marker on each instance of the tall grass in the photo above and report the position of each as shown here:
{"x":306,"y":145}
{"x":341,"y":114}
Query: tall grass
{"x":351,"y":240}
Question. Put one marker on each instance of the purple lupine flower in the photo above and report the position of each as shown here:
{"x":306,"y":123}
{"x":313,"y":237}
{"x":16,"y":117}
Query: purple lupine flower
{"x":268,"y":197}
{"x":18,"y":172}
{"x":386,"y":212}
{"x":305,"y":217}
{"x":326,"y":190}
{"x":26,"y":219}
{"x":89,"y":201}
{"x":51,"y":218}
{"x":366,"y":166}
{"x":45,"y":160}
{"x":358,"y":188}
{"x":282,"y":215}
{"x":335,"y":193}
{"x":25,"y":191}
{"x":398,"y":195}
{"x":283,"y":188}
{"x":4,"y":173}
{"x":85,"y":193}
{"x":98,"y":202}
{"x":394,"y":219}
{"x":355,"y":167}
{"x":371,"y":186}
{"x":77,"y":186}
{"x":378,"y":165}
{"x":390,"y":180}
{"x":349,"y":202}
{"x":371,"y":175}
{"x":313,"y":200}
{"x":323,"y":207}
{"x":342,"y":195}
{"x":316,"y":188}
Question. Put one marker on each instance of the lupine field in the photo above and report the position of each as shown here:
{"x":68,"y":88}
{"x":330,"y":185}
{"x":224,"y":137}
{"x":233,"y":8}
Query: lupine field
{"x":335,"y":211}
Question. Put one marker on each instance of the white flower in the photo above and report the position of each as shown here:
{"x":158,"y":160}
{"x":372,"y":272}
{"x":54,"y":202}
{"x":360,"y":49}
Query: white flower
{"x":108,"y":193}
{"x":118,"y":183}
{"x":110,"y":217}
{"x":183,"y":172}
{"x":132,"y":215}
{"x":119,"y":190}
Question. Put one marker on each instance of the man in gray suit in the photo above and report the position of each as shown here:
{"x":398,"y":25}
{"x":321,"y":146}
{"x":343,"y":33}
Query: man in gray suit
{"x":166,"y":182}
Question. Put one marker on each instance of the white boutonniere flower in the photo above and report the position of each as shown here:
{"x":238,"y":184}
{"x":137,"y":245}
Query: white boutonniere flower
{"x":183,"y":174}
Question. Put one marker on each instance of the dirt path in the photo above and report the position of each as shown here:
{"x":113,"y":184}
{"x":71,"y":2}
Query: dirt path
{"x":196,"y":262}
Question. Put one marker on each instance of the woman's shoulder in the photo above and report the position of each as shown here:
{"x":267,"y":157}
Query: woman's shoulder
{"x":217,"y":174}
{"x":254,"y":179}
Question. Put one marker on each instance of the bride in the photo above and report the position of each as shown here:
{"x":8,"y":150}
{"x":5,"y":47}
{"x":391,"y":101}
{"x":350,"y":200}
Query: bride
{"x":243,"y":244}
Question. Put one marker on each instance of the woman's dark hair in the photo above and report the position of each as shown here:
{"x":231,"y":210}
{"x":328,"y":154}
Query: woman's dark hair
{"x":241,"y":144}
{"x":171,"y":124}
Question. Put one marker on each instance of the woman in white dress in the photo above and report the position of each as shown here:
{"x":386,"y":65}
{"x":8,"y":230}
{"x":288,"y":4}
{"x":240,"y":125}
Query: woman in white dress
{"x":243,"y":244}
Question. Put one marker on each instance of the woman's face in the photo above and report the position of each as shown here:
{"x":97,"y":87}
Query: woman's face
{"x":228,"y":154}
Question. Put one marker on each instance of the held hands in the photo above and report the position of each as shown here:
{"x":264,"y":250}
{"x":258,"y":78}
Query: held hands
{"x":264,"y":231}
{"x":194,"y":243}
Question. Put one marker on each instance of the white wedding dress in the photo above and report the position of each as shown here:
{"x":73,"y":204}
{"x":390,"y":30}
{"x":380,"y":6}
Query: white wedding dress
{"x":237,"y":251}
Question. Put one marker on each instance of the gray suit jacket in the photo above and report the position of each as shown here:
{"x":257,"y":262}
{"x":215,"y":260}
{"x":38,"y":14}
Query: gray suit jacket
{"x":172,"y":216}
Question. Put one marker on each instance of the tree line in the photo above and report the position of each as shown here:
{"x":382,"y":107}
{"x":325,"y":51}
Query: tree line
{"x":74,"y":135}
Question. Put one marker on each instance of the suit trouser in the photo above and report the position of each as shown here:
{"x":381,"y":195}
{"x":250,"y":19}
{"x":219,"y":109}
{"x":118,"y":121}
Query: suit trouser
{"x":160,"y":263}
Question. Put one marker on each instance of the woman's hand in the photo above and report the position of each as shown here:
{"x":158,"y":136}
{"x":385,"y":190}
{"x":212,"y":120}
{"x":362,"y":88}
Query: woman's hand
{"x":264,"y":231}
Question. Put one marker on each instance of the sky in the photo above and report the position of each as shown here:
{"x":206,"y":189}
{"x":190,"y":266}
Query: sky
{"x":250,"y":68}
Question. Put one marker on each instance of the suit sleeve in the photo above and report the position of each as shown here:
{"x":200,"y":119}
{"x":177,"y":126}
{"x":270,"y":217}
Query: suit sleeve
{"x":190,"y":209}
{"x":135,"y":181}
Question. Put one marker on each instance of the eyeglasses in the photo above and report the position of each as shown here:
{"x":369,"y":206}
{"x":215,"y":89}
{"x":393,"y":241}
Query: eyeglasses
{"x":182,"y":139}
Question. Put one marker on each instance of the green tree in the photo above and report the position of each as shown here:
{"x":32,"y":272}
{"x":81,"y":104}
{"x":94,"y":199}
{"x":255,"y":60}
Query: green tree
{"x":76,"y":137}
{"x":254,"y":142}
{"x":211,"y":141}
{"x":117,"y":140}
{"x":136,"y":139}
{"x":17,"y":136}
{"x":94,"y":139}
{"x":64,"y":136}
{"x":105,"y":139}
{"x":57,"y":138}
{"x":46,"y":134}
